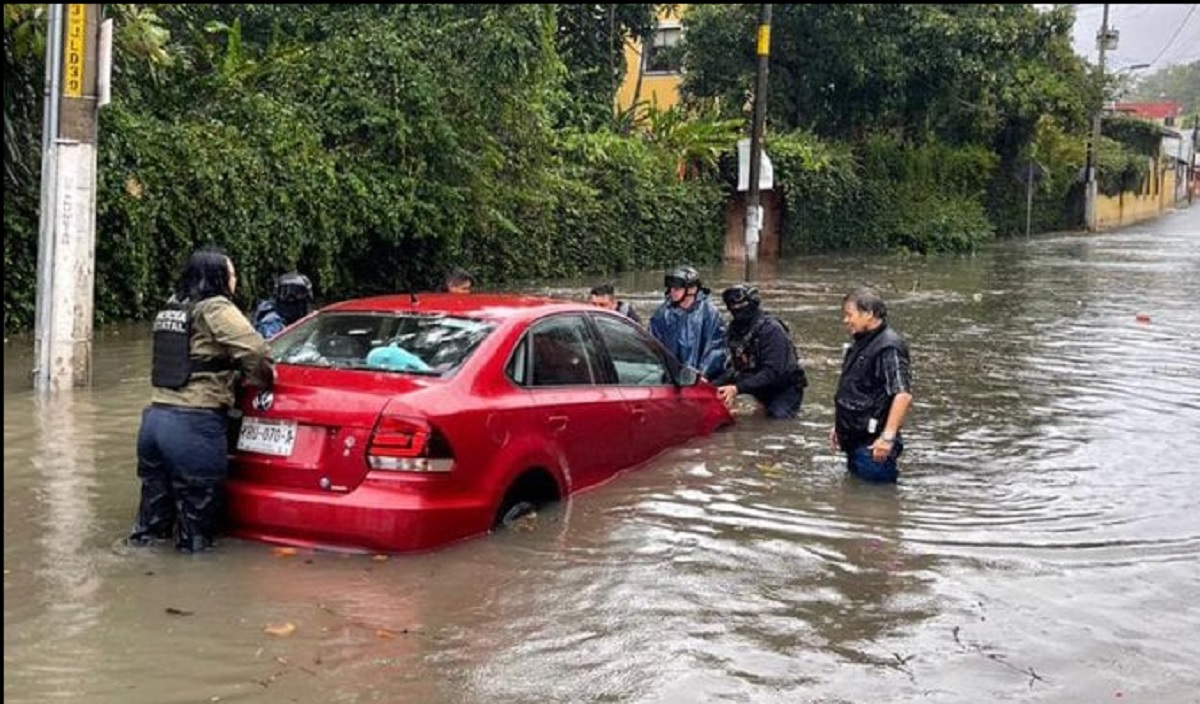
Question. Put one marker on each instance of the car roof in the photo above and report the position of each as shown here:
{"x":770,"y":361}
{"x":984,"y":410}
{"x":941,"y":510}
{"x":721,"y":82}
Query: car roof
{"x":485,"y":306}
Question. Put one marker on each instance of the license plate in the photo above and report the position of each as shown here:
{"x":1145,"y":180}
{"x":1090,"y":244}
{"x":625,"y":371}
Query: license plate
{"x":270,"y":437}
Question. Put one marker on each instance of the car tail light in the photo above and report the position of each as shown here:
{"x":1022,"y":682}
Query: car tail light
{"x":400,"y":444}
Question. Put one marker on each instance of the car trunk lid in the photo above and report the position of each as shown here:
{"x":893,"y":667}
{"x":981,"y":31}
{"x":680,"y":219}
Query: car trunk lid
{"x":313,"y":428}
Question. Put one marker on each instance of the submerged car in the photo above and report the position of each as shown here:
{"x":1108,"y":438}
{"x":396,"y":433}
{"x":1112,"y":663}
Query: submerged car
{"x":402,"y":423}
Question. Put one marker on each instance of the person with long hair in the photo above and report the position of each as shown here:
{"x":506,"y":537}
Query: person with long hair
{"x":202,"y":340}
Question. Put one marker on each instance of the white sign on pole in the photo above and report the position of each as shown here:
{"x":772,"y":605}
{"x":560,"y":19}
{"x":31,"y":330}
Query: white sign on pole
{"x":766,"y":174}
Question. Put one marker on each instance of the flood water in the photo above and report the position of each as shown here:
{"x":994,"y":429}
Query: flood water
{"x":1043,"y":544}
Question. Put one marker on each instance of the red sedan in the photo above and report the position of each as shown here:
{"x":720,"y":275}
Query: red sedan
{"x":402,"y":423}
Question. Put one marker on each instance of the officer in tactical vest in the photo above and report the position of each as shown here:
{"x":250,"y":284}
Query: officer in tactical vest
{"x":201,"y":342}
{"x":762,"y":359}
{"x":874,"y":392}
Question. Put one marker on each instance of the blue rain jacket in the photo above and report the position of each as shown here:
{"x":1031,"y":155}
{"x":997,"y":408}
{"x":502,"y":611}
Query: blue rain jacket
{"x":696,"y":335}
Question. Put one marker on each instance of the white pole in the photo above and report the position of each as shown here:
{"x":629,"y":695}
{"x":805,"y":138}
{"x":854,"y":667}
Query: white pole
{"x":1093,"y":189}
{"x":46,"y":232}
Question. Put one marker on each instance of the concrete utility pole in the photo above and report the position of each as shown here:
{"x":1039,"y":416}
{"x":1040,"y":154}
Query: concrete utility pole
{"x":1191,"y":165}
{"x":67,"y":231}
{"x":754,"y":216}
{"x":1093,"y":191}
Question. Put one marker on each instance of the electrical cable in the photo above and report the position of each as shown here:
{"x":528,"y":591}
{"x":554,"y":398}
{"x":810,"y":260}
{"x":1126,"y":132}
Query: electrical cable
{"x":1174,"y":36}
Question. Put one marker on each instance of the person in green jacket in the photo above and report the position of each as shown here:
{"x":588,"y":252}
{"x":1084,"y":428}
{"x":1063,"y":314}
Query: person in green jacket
{"x":202,"y":341}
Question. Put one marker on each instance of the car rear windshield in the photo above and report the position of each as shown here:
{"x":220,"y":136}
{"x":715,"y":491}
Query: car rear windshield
{"x":403,"y":342}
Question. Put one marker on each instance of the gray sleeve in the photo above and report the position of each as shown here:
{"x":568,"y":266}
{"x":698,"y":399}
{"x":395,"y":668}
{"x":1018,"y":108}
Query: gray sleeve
{"x":896,"y":375}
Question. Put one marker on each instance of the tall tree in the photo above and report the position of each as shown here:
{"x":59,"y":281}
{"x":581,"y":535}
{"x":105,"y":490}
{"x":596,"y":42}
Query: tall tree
{"x":961,"y":73}
{"x":591,"y":44}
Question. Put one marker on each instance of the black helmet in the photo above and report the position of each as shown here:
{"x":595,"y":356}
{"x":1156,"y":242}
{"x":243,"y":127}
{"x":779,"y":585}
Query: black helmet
{"x":293,"y":287}
{"x":740,"y":293}
{"x":684,"y":277}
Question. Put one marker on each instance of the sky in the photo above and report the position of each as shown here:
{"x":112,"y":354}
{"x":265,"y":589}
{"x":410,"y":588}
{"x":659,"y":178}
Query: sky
{"x":1160,"y":35}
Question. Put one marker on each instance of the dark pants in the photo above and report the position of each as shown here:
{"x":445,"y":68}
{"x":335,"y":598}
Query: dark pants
{"x":182,"y":461}
{"x":862,"y":465}
{"x":785,"y":403}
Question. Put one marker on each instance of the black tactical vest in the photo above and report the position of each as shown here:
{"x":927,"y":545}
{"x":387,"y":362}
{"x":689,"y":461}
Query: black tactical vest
{"x":172,"y":362}
{"x":742,"y":349}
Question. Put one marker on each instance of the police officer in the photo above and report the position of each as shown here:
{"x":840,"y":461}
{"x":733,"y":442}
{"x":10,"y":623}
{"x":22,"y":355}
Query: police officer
{"x":292,"y":301}
{"x":874,"y":392}
{"x":688,"y":324}
{"x":762,"y":357}
{"x":201,"y":340}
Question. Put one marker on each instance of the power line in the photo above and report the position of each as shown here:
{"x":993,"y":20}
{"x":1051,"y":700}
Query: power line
{"x":1175,"y":36}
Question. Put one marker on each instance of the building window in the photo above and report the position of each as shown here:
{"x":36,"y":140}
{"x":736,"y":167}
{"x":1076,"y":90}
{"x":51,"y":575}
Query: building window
{"x":1168,"y":121}
{"x":665,"y":55}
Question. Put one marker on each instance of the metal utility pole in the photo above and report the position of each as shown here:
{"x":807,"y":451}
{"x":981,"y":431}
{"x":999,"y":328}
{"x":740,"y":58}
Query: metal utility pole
{"x":1093,"y":192}
{"x":75,"y":87}
{"x":754,"y":215}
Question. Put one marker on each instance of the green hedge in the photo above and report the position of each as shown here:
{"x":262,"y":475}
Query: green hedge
{"x":881,"y":195}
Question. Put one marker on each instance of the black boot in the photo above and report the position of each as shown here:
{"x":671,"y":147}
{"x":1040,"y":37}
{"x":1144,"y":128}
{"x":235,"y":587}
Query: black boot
{"x":156,"y":513}
{"x":199,"y":507}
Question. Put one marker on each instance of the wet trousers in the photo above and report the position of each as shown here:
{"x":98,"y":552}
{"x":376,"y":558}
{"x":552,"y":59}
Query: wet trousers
{"x":182,"y":462}
{"x":862,"y":465}
{"x":784,"y":403}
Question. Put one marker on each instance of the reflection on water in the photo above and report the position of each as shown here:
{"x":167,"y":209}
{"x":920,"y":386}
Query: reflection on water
{"x":1042,"y":544}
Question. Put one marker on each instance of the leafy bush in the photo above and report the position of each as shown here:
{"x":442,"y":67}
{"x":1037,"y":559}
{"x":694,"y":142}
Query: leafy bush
{"x":918,"y":199}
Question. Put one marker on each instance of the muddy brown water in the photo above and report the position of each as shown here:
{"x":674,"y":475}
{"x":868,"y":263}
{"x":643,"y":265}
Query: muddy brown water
{"x":1041,"y":546}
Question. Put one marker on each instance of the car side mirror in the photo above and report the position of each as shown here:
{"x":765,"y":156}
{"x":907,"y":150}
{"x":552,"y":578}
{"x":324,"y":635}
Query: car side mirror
{"x":687,"y":377}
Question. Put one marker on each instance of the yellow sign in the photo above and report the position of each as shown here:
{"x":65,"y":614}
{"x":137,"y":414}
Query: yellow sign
{"x":74,"y":60}
{"x":764,"y":39}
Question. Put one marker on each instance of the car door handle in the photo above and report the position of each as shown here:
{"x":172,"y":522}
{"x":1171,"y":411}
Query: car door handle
{"x":557,"y":423}
{"x":639,"y":414}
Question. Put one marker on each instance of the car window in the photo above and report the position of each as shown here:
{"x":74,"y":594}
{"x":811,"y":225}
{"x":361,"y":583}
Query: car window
{"x":637,"y":361}
{"x":558,"y":351}
{"x":407,"y":342}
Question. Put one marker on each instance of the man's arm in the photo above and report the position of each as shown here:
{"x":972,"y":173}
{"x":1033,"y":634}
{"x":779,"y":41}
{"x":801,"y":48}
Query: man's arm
{"x":898,"y":379}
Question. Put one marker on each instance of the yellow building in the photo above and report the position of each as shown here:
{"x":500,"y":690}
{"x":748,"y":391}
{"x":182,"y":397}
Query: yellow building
{"x":653,"y":73}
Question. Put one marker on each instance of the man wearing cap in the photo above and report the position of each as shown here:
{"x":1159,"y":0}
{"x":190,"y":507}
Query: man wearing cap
{"x":762,"y":359}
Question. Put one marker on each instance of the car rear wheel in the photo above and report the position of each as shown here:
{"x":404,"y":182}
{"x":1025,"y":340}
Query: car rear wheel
{"x":514,"y":513}
{"x":530,"y":492}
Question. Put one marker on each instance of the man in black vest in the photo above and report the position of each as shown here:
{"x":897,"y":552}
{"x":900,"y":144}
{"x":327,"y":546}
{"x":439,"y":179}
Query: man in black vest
{"x":762,"y":359}
{"x":874,"y":392}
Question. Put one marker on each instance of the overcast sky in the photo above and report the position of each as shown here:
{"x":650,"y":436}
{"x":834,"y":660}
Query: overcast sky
{"x":1161,"y":35}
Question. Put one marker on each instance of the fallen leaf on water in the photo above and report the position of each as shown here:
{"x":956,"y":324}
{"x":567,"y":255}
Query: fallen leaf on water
{"x":770,"y":467}
{"x":284,"y":552}
{"x":282,"y":630}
